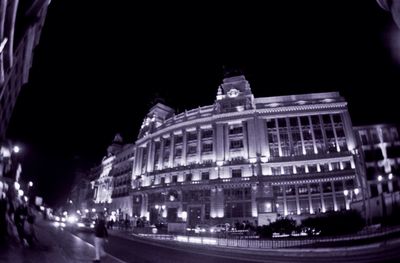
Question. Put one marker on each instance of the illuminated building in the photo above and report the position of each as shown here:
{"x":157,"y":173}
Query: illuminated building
{"x":21,"y":23}
{"x":111,"y":179}
{"x":381,"y":147}
{"x":246,"y":158}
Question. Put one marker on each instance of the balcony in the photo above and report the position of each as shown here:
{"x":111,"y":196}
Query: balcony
{"x":308,"y":176}
{"x":182,"y":168}
{"x":308,"y":157}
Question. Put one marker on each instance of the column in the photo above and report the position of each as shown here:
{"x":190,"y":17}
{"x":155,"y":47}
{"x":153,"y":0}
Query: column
{"x":321,"y":124}
{"x":184,"y":147}
{"x":312,"y":135}
{"x":279,"y":137}
{"x":310,"y":199}
{"x":289,"y":131}
{"x":213,"y":203}
{"x":303,"y":147}
{"x":161,"y":158}
{"x":150,"y":156}
{"x":219,"y":139}
{"x":254,"y":212}
{"x":334,"y":133}
{"x":348,"y":130}
{"x":322,"y":198}
{"x":284,"y":201}
{"x":227,"y":143}
{"x":246,"y":145}
{"x":335,"y":206}
{"x":297,"y":199}
{"x":198,"y":144}
{"x":253,"y":146}
{"x":171,"y":153}
{"x":261,"y":137}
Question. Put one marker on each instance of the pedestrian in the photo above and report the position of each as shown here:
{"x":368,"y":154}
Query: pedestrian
{"x":30,"y":231}
{"x":3,"y":218}
{"x":100,"y":236}
{"x":19,"y":219}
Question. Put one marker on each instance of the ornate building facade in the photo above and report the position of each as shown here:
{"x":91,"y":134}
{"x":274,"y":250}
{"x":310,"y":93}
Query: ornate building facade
{"x":21,"y":23}
{"x":111,"y":180}
{"x":246,"y":158}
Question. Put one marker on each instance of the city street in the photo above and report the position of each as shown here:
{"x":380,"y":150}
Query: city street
{"x":64,"y":246}
{"x":131,"y":249}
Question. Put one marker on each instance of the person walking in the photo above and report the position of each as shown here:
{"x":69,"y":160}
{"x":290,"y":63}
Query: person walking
{"x":100,"y":236}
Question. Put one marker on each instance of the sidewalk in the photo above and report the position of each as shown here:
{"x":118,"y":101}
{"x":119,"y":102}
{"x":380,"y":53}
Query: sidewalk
{"x":55,"y":246}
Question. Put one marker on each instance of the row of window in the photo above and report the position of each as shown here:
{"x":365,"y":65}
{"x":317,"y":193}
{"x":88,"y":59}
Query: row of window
{"x":310,"y":168}
{"x":313,"y":188}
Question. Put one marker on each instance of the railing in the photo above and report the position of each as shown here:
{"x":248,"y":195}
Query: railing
{"x":309,"y":156}
{"x":290,"y":242}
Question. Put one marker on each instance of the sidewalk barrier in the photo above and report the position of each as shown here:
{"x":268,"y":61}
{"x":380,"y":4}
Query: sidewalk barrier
{"x":288,"y":242}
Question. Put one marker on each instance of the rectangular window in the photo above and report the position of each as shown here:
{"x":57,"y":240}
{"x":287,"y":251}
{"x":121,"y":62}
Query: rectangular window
{"x":337,"y":118}
{"x":304,"y":121}
{"x":236,"y":144}
{"x":205,"y":176}
{"x":302,"y":189}
{"x":235,"y":129}
{"x":207,"y":147}
{"x":207,"y":133}
{"x":188,"y":177}
{"x":290,"y":190}
{"x":178,"y":152}
{"x":364,"y":139}
{"x":178,"y":139}
{"x":315,"y":120}
{"x":191,"y":136}
{"x":327,"y":187}
{"x":314,"y":188}
{"x":293,"y":122}
{"x":338,"y":186}
{"x":174,"y":179}
{"x":271,"y":124}
{"x":236,"y":173}
{"x":288,"y":169}
{"x":192,"y":149}
{"x":327,"y":119}
{"x":312,"y":168}
{"x":282,"y":123}
{"x":276,"y":170}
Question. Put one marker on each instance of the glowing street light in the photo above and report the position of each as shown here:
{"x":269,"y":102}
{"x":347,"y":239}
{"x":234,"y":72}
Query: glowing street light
{"x":346,"y":192}
{"x":16,"y":186}
{"x":30,"y":184}
{"x":86,"y":210}
{"x":390,"y":176}
{"x":16,"y":149}
{"x":21,"y":192}
{"x":380,"y":178}
{"x":356,"y":191}
{"x":94,"y":210}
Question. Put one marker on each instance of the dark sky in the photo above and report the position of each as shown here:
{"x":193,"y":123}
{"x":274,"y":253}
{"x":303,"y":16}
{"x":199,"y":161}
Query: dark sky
{"x":99,"y":65}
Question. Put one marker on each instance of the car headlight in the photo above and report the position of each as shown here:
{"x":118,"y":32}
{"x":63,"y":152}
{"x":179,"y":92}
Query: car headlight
{"x":81,"y":225}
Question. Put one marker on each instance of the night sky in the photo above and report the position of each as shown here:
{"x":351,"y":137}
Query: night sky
{"x":100,"y":64}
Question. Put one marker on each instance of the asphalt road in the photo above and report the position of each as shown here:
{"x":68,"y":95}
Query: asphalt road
{"x":136,"y":250}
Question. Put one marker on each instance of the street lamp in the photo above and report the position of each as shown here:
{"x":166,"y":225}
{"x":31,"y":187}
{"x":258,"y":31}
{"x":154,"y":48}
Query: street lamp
{"x":30,"y":184}
{"x":16,"y":149}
